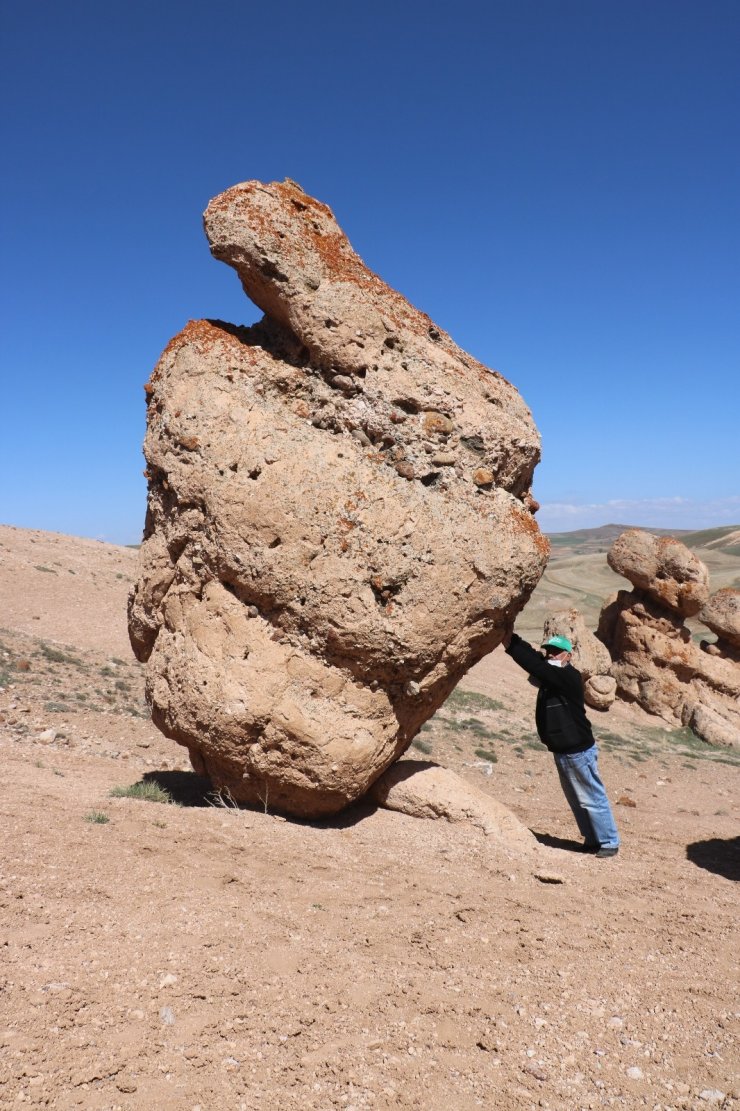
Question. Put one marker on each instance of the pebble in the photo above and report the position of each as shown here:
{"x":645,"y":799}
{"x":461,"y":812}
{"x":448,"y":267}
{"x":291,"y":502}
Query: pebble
{"x":168,"y":980}
{"x":712,"y":1095}
{"x":549,"y":877}
{"x":635,"y":1073}
{"x":168,"y":1016}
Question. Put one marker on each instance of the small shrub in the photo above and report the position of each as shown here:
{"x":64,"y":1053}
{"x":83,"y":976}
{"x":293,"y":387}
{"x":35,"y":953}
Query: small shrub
{"x":486,"y":754}
{"x":107,"y":670}
{"x":122,"y":685}
{"x":54,"y":655}
{"x":97,"y":817}
{"x":145,"y":789}
{"x":470,"y":700}
{"x":57,"y":708}
{"x":423,"y":746}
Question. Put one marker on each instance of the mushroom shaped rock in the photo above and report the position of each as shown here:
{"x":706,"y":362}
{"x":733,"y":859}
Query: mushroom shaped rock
{"x":721,"y":614}
{"x":664,"y":568}
{"x":321,"y":563}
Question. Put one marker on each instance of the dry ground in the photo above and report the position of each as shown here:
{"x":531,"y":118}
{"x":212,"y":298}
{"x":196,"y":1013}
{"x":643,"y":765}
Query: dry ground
{"x":158,"y":955}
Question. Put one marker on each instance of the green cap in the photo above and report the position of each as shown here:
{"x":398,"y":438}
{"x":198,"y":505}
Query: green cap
{"x":559,"y":642}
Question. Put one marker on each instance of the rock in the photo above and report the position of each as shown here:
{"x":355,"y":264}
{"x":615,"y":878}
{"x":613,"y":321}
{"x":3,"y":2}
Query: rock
{"x":600,"y":691}
{"x":655,"y":661}
{"x":549,"y":877}
{"x":47,"y":736}
{"x":625,"y":800}
{"x":712,"y":725}
{"x":590,"y":656}
{"x":721,"y":614}
{"x":306,"y":601}
{"x":424,"y":790}
{"x":635,"y":1073}
{"x":664,"y":568}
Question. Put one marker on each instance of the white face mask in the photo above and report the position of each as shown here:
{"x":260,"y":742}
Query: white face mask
{"x":555,"y":663}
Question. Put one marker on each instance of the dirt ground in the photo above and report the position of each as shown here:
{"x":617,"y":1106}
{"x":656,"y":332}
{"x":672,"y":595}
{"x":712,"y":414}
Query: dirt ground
{"x":183,"y":955}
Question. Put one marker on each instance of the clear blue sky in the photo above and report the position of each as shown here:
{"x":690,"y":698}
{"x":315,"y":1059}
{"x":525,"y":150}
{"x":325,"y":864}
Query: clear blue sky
{"x":556,"y":182}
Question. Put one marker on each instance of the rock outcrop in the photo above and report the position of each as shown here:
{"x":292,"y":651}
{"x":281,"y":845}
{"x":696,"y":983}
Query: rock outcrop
{"x":590,"y":656}
{"x":339,"y":519}
{"x":655,"y":661}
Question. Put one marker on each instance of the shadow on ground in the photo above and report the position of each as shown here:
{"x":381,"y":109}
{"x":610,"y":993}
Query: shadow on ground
{"x":553,"y":842}
{"x":189,"y":789}
{"x":718,"y":855}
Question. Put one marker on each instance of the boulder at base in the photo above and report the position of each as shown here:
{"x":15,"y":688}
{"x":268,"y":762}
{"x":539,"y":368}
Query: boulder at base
{"x":424,"y":790}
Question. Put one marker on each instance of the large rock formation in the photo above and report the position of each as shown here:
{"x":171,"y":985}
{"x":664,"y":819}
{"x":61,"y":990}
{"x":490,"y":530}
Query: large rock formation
{"x":655,"y":661}
{"x":590,"y":656}
{"x":339,"y":520}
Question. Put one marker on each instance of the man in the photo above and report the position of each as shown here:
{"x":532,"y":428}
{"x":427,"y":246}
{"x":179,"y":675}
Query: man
{"x":563,"y":727}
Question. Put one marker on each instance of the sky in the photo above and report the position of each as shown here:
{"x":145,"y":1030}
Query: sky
{"x":556,"y":182}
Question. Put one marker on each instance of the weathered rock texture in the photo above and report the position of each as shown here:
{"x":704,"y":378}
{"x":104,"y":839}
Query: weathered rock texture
{"x":721,"y":614}
{"x":590,"y":656}
{"x":339,"y":521}
{"x":663,"y":568}
{"x":425,"y":790}
{"x":655,"y":660}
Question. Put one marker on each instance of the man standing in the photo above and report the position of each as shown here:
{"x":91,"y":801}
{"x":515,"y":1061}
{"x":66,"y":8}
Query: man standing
{"x":563,"y":727}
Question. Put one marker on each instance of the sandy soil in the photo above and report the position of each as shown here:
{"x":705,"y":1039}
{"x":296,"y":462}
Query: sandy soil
{"x":187,"y":956}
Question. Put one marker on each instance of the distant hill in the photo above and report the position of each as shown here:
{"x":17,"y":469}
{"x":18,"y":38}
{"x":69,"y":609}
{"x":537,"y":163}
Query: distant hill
{"x":585,"y":540}
{"x":724,"y":539}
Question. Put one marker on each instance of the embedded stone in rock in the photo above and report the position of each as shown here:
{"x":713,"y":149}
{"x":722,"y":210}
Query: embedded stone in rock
{"x":312,"y":584}
{"x":663,"y":567}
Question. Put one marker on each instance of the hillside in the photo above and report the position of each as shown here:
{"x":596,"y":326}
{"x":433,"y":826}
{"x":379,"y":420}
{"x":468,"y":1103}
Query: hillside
{"x":179,"y":954}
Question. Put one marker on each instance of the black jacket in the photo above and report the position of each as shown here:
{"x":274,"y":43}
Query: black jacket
{"x":561,"y":719}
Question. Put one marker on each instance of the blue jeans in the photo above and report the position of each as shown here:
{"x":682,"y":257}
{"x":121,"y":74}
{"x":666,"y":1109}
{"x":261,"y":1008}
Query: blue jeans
{"x":582,"y":787}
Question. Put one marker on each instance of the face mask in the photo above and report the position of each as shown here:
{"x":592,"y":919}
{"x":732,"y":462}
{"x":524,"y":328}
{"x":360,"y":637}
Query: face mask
{"x":555,"y":663}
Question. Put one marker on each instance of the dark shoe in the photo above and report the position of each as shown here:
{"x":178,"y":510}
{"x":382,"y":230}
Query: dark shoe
{"x":606,"y":852}
{"x":587,"y":848}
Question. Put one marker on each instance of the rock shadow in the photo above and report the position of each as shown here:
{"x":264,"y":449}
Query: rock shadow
{"x":184,"y":788}
{"x":553,"y":842}
{"x":720,"y":855}
{"x":190,"y":789}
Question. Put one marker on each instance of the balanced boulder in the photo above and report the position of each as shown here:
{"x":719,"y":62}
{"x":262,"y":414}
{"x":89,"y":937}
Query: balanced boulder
{"x":339,"y":517}
{"x":655,"y":660}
